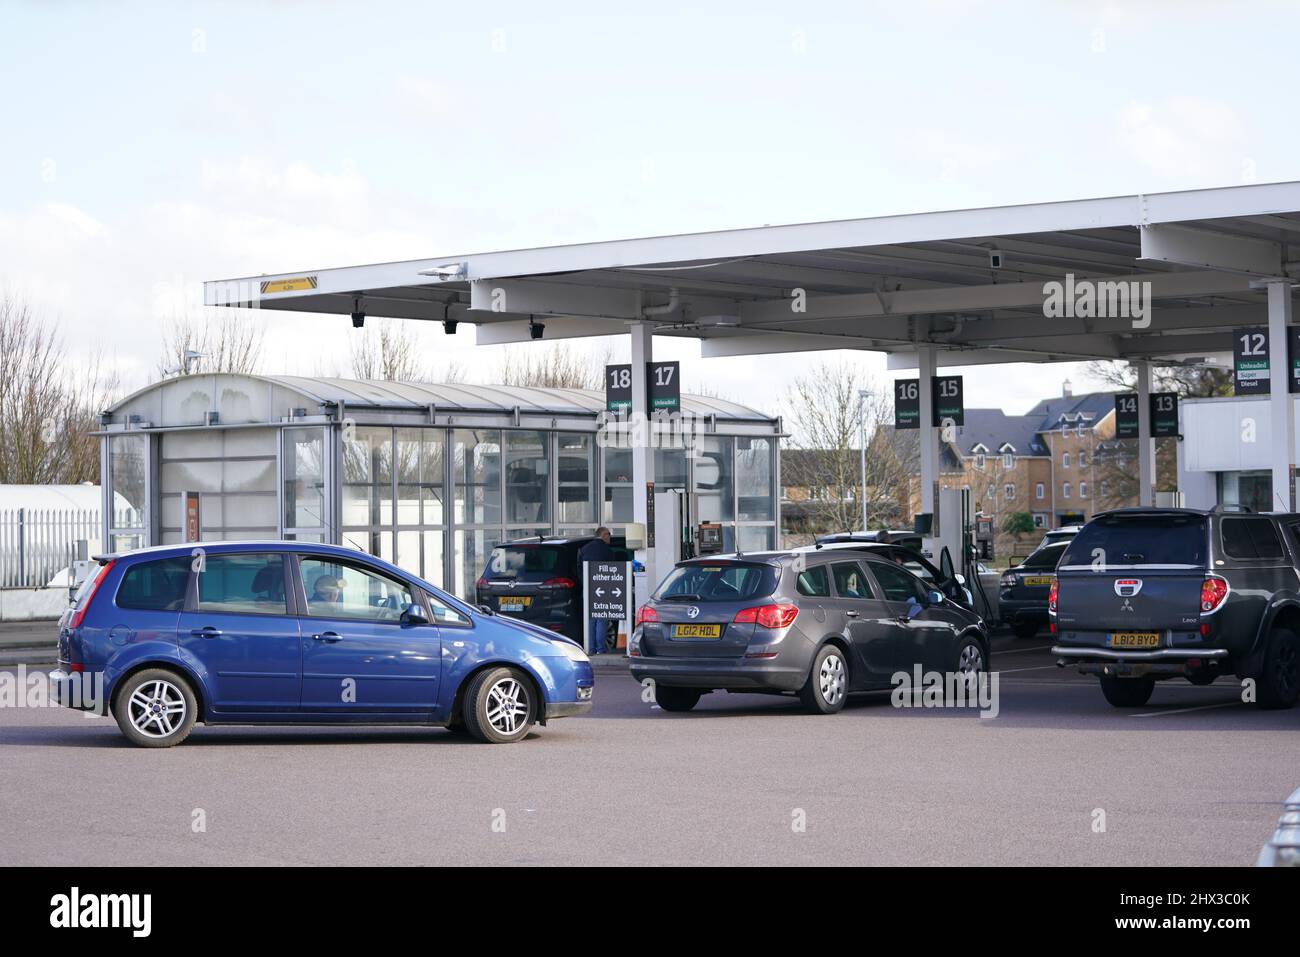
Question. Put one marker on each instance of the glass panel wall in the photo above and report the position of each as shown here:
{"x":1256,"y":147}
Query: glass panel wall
{"x":714,"y":479}
{"x":128,"y":469}
{"x":618,"y":486}
{"x":233,"y":472}
{"x":527,"y":470}
{"x":306,"y":508}
{"x":574,"y":474}
{"x":476,"y":474}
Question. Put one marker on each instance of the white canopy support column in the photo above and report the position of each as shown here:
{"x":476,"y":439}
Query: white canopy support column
{"x":927,"y":361}
{"x":1146,"y":447}
{"x":1281,"y":403}
{"x":643,"y":460}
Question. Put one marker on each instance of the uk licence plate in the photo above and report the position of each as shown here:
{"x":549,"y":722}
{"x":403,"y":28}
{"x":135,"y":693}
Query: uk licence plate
{"x":1039,"y":580}
{"x":514,"y":603}
{"x":1133,"y":639}
{"x":697,"y":631}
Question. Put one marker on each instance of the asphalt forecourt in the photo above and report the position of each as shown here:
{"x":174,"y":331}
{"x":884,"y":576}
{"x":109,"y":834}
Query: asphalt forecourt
{"x":1055,"y":777}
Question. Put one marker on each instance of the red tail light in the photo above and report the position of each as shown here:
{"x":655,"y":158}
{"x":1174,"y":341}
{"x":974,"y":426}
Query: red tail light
{"x":1213,"y":591}
{"x":646,"y":613}
{"x":768,"y":616}
{"x":84,"y":605}
{"x":481,"y":583}
{"x":561,"y":583}
{"x":1051,"y":596}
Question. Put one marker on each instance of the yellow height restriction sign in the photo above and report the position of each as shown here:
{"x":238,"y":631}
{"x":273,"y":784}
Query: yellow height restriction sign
{"x":289,"y":285}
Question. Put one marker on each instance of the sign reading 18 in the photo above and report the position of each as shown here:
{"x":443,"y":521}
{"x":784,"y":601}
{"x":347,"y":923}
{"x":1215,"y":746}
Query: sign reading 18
{"x":620,"y":378}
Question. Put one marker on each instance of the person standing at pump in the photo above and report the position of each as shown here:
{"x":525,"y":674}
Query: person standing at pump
{"x":597,"y":550}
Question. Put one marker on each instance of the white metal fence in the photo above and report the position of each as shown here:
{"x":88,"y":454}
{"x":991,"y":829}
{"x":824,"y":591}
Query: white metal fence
{"x":37,"y":544}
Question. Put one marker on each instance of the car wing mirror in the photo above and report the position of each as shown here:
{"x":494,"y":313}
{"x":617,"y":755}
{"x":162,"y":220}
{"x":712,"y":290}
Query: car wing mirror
{"x":935,"y":597}
{"x":959,"y":578}
{"x":413,"y":614}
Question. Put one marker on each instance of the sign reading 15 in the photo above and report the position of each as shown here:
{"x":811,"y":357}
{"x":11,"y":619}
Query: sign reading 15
{"x":949,"y":388}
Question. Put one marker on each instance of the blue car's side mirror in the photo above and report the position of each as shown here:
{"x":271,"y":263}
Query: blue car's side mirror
{"x":413,"y":614}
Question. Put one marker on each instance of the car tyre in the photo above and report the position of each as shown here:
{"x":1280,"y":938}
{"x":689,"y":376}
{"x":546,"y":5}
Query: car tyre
{"x":500,"y":706}
{"x":156,"y":708}
{"x":676,"y":699}
{"x":1025,"y":629}
{"x":827,"y":686}
{"x":1127,"y":692}
{"x":1278,"y":684}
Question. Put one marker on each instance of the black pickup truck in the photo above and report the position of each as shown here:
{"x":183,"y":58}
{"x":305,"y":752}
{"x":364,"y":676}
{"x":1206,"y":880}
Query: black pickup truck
{"x":1143,"y":594}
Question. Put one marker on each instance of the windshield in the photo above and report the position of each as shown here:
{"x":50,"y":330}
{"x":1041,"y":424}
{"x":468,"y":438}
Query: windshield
{"x":1139,"y":540}
{"x":718,"y":581}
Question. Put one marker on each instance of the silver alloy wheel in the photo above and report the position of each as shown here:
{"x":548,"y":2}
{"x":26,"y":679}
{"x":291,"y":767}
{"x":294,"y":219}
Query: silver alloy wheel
{"x":507,"y":705}
{"x":971,"y":660}
{"x":831,"y":679}
{"x":157,"y":708}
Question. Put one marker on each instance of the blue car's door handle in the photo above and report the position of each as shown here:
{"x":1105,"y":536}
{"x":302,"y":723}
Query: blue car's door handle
{"x":330,"y":636}
{"x":208,"y":632}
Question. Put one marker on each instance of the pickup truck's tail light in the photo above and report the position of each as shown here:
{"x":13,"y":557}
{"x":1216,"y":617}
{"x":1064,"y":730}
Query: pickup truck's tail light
{"x":83,"y":606}
{"x":1051,"y":595}
{"x":768,"y":616}
{"x":1213,"y":591}
{"x":646,"y":613}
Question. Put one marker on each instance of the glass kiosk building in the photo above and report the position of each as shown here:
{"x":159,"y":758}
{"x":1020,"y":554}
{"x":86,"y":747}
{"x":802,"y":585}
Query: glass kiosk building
{"x":429,"y":477}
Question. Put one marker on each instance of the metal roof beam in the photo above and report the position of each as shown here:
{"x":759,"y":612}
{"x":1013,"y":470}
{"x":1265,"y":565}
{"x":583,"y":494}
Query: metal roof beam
{"x":1204,"y":249}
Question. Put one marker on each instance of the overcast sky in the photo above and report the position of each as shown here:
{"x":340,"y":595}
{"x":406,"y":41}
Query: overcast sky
{"x":148,"y":147}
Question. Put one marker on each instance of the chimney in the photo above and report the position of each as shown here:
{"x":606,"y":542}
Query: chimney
{"x":1067,"y":389}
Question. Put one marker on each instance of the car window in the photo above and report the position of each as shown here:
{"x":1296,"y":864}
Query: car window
{"x":719,"y":581}
{"x":1044,"y":559}
{"x":242,"y":583}
{"x":813,"y":582}
{"x":525,"y":561}
{"x":340,"y":589}
{"x":155,"y":586}
{"x":897,"y":583}
{"x":1250,"y":538}
{"x":445,"y":614}
{"x":1176,"y":539}
{"x":850,"y":582}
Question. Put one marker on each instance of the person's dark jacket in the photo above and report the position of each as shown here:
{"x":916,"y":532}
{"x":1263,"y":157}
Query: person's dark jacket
{"x":596,"y":551}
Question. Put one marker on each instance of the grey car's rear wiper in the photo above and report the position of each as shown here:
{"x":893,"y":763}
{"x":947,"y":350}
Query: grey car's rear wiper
{"x":681,"y":598}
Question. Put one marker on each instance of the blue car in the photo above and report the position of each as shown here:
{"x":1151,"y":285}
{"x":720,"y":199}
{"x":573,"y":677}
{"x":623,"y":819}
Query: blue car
{"x":299,"y":633}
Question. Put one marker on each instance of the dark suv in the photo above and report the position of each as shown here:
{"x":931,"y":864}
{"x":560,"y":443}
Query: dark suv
{"x":1143,"y":594}
{"x":539,"y":580}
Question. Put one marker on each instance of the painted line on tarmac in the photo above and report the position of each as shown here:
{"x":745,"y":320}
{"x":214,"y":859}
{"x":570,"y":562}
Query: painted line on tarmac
{"x":1018,"y":651}
{"x":1203,"y":707}
{"x":1012,"y":671}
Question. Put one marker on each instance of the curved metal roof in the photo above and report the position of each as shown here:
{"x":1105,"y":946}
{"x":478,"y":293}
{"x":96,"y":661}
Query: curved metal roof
{"x":451,"y":397}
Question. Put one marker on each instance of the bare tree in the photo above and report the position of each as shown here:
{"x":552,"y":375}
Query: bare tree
{"x":559,"y":366}
{"x":826,"y":417}
{"x":48,"y":406}
{"x":225,"y":342}
{"x":388,"y":350}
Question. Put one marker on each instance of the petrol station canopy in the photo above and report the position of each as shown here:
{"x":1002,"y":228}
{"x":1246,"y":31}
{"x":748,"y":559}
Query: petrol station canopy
{"x":970,"y":282}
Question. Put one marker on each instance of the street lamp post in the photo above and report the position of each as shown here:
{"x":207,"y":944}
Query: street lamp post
{"x":863,"y":396}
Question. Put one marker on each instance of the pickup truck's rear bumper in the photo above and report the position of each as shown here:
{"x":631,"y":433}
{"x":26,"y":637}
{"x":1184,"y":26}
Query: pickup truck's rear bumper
{"x":1123,"y":662}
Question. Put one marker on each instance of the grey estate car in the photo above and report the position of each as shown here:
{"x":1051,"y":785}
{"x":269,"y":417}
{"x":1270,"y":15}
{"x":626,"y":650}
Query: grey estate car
{"x":819,"y":625}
